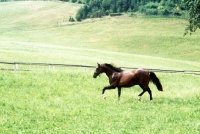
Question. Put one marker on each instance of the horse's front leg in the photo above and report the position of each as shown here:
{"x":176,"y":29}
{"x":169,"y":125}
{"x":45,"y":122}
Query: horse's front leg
{"x":119,"y":92}
{"x":105,"y":88}
{"x":140,"y":95}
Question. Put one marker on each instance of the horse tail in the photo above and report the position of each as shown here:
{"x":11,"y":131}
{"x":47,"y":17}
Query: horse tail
{"x":156,"y":81}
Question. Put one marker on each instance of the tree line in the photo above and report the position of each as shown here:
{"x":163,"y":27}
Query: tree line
{"x":99,"y":8}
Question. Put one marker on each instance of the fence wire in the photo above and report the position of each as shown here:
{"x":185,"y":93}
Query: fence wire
{"x":22,"y":66}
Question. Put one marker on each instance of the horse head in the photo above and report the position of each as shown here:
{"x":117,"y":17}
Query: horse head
{"x":97,"y":71}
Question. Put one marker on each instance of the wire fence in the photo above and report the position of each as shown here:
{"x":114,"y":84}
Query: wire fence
{"x":23,"y":66}
{"x":17,"y":66}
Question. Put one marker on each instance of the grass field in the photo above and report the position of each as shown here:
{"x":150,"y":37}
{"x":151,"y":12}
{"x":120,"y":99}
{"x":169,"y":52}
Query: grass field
{"x":68,"y":100}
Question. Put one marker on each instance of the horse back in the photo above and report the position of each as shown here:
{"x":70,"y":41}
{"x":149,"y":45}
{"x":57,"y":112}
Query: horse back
{"x":136,"y":77}
{"x":128,"y":78}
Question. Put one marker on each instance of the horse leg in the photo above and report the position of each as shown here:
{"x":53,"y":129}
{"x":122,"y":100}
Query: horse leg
{"x":105,"y":88}
{"x":150,"y":94}
{"x":140,"y":95}
{"x":119,"y":92}
{"x":144,"y":90}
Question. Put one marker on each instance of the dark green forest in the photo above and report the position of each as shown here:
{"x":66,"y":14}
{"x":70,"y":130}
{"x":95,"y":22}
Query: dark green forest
{"x":99,"y":8}
{"x":187,"y":8}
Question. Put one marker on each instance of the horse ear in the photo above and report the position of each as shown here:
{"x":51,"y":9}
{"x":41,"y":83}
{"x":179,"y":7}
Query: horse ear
{"x":98,"y":64}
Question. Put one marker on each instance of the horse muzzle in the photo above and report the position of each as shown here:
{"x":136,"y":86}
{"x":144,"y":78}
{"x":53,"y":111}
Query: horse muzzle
{"x":95,"y":75}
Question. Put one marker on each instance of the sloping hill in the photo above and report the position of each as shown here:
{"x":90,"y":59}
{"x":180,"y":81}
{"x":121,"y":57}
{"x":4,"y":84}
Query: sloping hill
{"x":34,"y":14}
{"x":30,"y":33}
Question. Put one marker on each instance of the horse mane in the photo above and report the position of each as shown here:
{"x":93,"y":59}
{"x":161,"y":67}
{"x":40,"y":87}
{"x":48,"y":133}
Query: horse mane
{"x":117,"y":69}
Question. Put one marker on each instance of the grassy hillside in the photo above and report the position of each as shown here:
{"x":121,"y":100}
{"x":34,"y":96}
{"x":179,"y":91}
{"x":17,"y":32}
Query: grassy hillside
{"x":27,"y":34}
{"x":32,"y":29}
{"x":68,"y":100}
{"x":38,"y":14}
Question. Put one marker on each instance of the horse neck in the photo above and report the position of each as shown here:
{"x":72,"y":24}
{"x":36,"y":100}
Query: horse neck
{"x":109,"y":72}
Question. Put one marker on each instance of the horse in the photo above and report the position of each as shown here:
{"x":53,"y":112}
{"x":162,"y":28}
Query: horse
{"x":118,"y":78}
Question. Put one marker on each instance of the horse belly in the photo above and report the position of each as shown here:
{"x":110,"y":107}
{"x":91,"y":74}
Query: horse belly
{"x":128,"y":81}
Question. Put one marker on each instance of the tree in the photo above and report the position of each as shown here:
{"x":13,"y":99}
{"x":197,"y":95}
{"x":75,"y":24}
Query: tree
{"x":71,"y":19}
{"x":106,"y":5}
{"x":194,"y":15}
{"x":74,"y":1}
{"x":99,"y":8}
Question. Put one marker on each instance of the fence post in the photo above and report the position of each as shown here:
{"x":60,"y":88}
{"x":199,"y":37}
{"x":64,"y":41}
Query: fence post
{"x":58,"y":24}
{"x":85,"y":69}
{"x":15,"y":66}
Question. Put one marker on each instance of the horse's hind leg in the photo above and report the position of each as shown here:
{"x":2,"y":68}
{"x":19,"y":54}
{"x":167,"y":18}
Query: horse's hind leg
{"x":145,"y":88}
{"x":150,"y":94}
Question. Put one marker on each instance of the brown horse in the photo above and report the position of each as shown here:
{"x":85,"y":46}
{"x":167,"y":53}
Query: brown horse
{"x":120,"y":78}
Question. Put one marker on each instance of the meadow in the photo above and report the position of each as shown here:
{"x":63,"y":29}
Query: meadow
{"x":68,"y":100}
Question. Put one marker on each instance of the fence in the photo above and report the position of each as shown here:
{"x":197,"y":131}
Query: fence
{"x":49,"y":65}
{"x":16,"y":65}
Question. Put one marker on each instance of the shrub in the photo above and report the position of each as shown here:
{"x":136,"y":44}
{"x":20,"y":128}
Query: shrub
{"x":83,"y":13}
{"x":115,"y":14}
{"x":80,"y":2}
{"x":65,"y":0}
{"x":151,"y":12}
{"x":74,"y":1}
{"x":161,"y":8}
{"x":163,"y":11}
{"x":71,"y":19}
{"x":152,"y":5}
{"x":96,"y":14}
{"x":150,"y":8}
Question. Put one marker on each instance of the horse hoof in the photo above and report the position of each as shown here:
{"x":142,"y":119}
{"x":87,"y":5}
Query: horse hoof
{"x":104,"y":97}
{"x":139,"y":98}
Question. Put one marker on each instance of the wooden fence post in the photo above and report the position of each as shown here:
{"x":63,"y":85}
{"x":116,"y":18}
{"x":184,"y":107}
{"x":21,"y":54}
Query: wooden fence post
{"x":15,"y":66}
{"x":85,"y":69}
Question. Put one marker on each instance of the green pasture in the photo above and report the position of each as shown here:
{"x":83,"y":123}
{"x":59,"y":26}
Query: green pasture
{"x":68,"y":100}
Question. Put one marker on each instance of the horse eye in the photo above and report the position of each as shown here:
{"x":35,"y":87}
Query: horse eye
{"x":97,"y":69}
